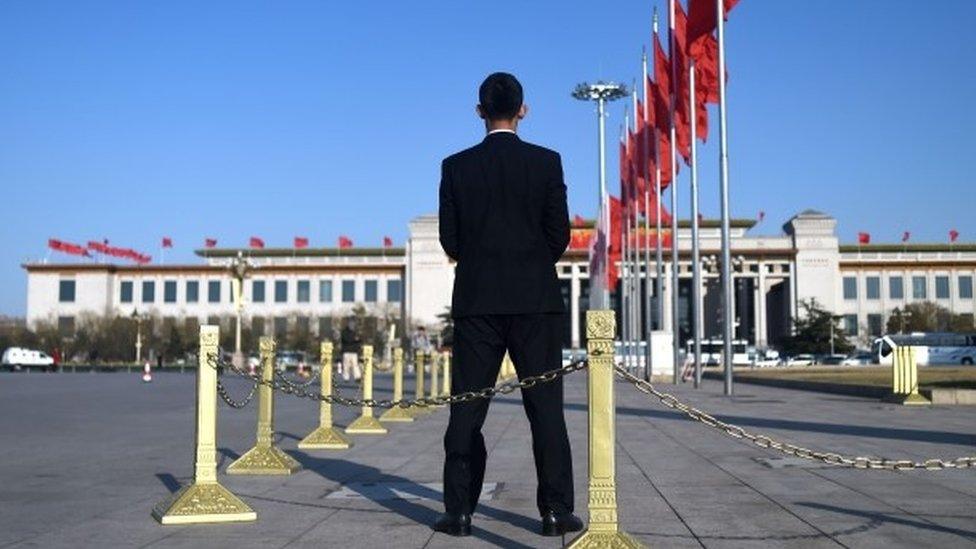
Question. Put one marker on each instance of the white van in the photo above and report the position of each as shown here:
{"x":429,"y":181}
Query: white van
{"x":16,"y":358}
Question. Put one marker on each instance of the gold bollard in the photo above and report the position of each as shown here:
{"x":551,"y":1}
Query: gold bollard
{"x":397,"y":413}
{"x":205,"y":500}
{"x":435,"y":367}
{"x":602,"y":530}
{"x":265,"y":458}
{"x":904,"y":378}
{"x":446,"y":357}
{"x":366,"y":424}
{"x":419,"y":373}
{"x":326,"y":436}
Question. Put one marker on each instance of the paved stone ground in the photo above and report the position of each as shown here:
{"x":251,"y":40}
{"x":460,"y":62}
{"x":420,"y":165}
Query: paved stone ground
{"x":84,"y":457}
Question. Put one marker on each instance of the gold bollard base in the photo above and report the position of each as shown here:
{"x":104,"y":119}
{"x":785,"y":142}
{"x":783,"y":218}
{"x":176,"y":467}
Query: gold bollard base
{"x":366,"y":425}
{"x":264,"y":460}
{"x":605,"y":540}
{"x":419,"y":411}
{"x":201,"y":503}
{"x":911,"y":399}
{"x":325,"y":438}
{"x":396,"y":415}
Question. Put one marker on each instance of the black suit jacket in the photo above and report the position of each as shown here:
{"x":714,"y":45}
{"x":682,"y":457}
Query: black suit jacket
{"x":503,"y":218}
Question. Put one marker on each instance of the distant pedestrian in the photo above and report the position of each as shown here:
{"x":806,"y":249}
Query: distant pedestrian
{"x":55,"y":359}
{"x":352,"y":344}
{"x":421,"y":342}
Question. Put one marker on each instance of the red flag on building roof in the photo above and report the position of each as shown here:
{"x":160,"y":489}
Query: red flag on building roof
{"x":387,"y":242}
{"x":578,"y":221}
{"x":256,"y":242}
{"x":905,"y":236}
{"x":344,"y":242}
{"x":953,"y":235}
{"x":210,"y":242}
{"x":301,"y":242}
{"x":167,"y":242}
{"x":863,"y":238}
{"x":67,"y":247}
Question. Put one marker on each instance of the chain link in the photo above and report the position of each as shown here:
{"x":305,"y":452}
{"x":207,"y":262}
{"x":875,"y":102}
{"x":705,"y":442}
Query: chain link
{"x":311,"y":379}
{"x":237,"y":404}
{"x":487,"y":392}
{"x":734,"y":431}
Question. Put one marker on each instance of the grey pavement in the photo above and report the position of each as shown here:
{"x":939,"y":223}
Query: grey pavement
{"x":84,"y":457}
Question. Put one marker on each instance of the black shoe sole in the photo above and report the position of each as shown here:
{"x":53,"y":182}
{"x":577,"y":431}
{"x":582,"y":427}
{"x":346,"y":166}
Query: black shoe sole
{"x":456,"y":531}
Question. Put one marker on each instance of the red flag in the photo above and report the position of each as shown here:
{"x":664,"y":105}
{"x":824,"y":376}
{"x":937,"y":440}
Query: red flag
{"x":863,"y":238}
{"x":387,"y":242}
{"x":953,"y":235}
{"x":616,"y":241}
{"x":301,"y":242}
{"x":167,"y":242}
{"x":67,"y":247}
{"x":344,"y":242}
{"x":701,"y":17}
{"x":256,"y":242}
{"x":682,"y":119}
{"x":905,"y":236}
{"x":210,"y":242}
{"x":578,"y":221}
{"x":662,"y":97}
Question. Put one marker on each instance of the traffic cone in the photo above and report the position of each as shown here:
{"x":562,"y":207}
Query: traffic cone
{"x":147,"y":373}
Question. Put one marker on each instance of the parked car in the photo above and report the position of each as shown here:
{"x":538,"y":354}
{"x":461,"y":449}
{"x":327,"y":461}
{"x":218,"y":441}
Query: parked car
{"x":800,"y":360}
{"x":859,"y":358}
{"x":761,"y":358}
{"x":569,"y":355}
{"x":831,"y":360}
{"x":16,"y":358}
{"x":286,"y":360}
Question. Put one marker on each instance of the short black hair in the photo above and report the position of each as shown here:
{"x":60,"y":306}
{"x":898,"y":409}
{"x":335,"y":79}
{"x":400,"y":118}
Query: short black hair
{"x":500,"y":96}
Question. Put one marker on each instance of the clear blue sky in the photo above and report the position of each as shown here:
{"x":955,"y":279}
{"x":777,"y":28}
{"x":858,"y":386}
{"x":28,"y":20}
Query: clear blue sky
{"x":133,"y":120}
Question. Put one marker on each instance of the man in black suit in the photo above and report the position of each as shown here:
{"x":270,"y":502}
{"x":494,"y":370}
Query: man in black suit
{"x":503,"y":219}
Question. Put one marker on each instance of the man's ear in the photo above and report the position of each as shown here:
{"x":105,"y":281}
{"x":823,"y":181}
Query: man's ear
{"x":479,"y":111}
{"x":523,"y":110}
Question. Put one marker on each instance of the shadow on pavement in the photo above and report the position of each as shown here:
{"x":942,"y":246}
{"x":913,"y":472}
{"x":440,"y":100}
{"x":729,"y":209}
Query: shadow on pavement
{"x":343,"y":471}
{"x":893,"y":519}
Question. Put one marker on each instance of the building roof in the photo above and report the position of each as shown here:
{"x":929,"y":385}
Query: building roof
{"x":301,"y":252}
{"x":908,"y":248}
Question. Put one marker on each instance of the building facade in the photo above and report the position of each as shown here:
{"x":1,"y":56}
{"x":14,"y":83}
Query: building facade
{"x":315,"y":288}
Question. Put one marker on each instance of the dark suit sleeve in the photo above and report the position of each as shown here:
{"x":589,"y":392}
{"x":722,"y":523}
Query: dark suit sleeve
{"x":447,"y":214}
{"x":557,"y":213}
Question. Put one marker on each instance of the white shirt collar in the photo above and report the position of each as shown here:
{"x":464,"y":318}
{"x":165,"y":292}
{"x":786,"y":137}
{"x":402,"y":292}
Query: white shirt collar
{"x":501,"y":130}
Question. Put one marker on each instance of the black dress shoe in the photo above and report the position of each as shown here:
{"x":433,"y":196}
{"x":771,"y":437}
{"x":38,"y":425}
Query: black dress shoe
{"x":557,"y":524}
{"x":454,"y":525}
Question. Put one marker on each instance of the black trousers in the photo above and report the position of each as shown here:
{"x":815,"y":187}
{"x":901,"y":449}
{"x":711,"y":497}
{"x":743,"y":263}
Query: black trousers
{"x":533,"y":343}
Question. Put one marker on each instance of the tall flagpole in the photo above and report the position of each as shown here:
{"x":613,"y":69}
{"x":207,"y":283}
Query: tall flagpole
{"x":648,"y":315}
{"x":635,"y":263}
{"x":658,"y":250}
{"x":727,"y":304}
{"x":695,"y":251}
{"x":675,"y":331}
{"x":625,"y":229}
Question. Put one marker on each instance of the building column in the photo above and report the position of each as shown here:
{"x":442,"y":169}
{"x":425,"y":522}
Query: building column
{"x":574,"y":297}
{"x":761,"y":333}
{"x":794,"y":306}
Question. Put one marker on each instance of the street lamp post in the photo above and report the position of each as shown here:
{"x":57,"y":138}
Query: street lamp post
{"x":601,"y":92}
{"x":239,"y":268}
{"x":138,"y":319}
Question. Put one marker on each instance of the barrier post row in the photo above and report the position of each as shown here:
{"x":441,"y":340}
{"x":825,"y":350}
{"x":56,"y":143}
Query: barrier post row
{"x":418,"y":393}
{"x":326,"y":436}
{"x":397,"y":414}
{"x":602,"y":530}
{"x":447,"y":374}
{"x":904,"y":378}
{"x":265,"y":458}
{"x":366,"y":424}
{"x":435,"y":368}
{"x":205,"y":500}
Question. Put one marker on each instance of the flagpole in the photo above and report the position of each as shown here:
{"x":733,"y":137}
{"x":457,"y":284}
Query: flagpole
{"x":695,"y":251}
{"x":625,"y":229}
{"x":727,"y":304}
{"x":648,"y":133}
{"x":676,"y":332}
{"x":658,"y":252}
{"x":635,"y":260}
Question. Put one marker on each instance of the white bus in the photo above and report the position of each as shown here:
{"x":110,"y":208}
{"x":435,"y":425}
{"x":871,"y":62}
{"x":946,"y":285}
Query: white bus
{"x":930,"y":348}
{"x":712,"y":352}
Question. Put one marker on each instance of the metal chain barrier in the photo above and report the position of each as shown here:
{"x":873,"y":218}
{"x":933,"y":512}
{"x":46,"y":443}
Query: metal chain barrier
{"x":237,"y":404}
{"x":311,"y":379}
{"x":487,"y":392}
{"x":734,"y":431}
